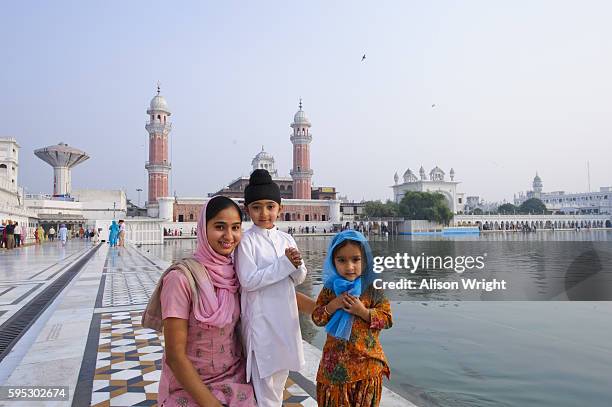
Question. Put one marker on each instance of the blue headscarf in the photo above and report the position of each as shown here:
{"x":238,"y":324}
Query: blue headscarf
{"x":341,"y":322}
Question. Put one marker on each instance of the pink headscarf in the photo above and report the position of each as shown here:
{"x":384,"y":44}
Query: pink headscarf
{"x":217,"y":303}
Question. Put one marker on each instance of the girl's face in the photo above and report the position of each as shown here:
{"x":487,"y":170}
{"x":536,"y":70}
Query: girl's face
{"x":347,"y":260}
{"x":224,"y":231}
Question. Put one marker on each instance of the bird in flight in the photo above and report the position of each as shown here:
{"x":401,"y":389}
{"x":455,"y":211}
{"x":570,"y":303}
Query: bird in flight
{"x":363,"y":58}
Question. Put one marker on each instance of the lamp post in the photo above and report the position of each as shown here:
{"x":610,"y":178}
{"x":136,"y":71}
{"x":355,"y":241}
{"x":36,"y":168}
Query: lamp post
{"x":139,"y":190}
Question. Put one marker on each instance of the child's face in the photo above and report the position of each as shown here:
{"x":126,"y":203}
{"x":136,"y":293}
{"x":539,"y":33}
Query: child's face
{"x":224,"y":231}
{"x":347,"y":260}
{"x":264,"y":212}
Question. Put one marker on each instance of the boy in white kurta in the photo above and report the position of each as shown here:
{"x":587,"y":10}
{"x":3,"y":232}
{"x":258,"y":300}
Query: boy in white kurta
{"x":269,"y":266}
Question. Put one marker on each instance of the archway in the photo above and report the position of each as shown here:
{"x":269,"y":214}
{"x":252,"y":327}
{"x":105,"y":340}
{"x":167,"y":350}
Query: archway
{"x":449,"y":200}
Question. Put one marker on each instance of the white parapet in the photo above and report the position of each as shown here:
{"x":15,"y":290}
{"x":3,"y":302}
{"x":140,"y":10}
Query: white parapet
{"x":166,"y":208}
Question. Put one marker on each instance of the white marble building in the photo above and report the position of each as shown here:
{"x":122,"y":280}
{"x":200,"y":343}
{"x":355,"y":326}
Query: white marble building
{"x":475,"y":202}
{"x":86,"y":205}
{"x":265,"y":161}
{"x":10,"y":193}
{"x":12,"y":205}
{"x":599,"y":202}
{"x":434,"y":182}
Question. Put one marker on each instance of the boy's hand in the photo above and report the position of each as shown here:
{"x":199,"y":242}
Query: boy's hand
{"x":294,"y":256}
{"x":353,"y":305}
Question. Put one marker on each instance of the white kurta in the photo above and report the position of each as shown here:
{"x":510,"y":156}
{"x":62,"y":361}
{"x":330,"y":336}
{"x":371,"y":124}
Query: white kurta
{"x":270,"y":322}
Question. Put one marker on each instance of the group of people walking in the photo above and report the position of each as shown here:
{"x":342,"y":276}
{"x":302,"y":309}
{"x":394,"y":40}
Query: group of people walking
{"x":12,"y":234}
{"x":62,"y":234}
{"x":230,"y":313}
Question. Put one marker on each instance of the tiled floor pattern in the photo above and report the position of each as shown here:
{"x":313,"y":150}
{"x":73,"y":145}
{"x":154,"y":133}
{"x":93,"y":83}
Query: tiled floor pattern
{"x":124,"y":258}
{"x":131,"y":288}
{"x":128,"y":279}
{"x":128,"y":365}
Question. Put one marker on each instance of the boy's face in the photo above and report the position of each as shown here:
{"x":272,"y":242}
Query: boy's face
{"x":347,"y":260}
{"x":264,"y":212}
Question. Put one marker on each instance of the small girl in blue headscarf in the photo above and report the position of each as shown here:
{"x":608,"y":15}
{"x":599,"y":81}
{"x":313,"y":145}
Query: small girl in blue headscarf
{"x":353,"y":313}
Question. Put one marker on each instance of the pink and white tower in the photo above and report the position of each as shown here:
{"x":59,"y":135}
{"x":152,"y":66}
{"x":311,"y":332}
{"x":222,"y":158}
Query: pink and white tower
{"x":301,"y":139}
{"x":158,"y":166}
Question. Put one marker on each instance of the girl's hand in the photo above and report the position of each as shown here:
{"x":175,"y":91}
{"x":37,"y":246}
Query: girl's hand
{"x":335,"y":304}
{"x":353,"y":305}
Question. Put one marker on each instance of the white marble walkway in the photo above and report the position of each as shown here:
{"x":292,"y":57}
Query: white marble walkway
{"x":90,"y":339}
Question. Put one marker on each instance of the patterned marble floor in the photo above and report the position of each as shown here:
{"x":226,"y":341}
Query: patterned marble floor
{"x":128,"y":365}
{"x":128,"y":278}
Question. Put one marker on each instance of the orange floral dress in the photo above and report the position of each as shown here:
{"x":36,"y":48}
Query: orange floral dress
{"x":350,"y":372}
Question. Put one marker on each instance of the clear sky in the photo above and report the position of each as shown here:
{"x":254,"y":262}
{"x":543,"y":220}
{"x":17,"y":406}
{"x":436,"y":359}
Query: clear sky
{"x":519,"y":87}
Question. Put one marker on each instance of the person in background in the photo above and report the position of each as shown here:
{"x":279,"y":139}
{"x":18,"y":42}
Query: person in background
{"x":113,"y":234}
{"x":40,"y":234}
{"x":121,"y":233}
{"x":17,"y":234}
{"x":95,"y":236}
{"x":51,"y":233}
{"x":24,"y":233}
{"x":63,"y":234}
{"x":2,"y":234}
{"x":10,"y":235}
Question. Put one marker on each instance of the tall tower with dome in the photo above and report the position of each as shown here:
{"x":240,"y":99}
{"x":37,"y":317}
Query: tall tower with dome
{"x":301,"y":173}
{"x":158,"y":165}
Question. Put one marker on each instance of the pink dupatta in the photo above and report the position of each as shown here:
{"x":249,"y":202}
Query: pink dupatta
{"x":217,"y":287}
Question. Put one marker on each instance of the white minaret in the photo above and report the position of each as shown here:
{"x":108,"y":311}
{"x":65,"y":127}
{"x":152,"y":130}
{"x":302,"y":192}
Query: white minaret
{"x":62,"y":158}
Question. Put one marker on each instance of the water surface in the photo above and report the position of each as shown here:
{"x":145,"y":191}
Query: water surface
{"x":445,"y":352}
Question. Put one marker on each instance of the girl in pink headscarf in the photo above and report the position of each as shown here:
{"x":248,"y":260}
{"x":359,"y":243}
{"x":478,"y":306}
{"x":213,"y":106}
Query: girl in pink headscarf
{"x":203,"y":363}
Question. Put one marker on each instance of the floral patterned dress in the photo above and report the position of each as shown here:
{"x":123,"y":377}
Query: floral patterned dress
{"x":350,"y":372}
{"x":216,"y":353}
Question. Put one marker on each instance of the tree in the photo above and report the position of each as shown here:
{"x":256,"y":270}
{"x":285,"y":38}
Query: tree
{"x":430,"y":206}
{"x":477,"y":211}
{"x":507,"y":209}
{"x":377,"y":209}
{"x":533,"y":205}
